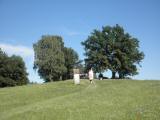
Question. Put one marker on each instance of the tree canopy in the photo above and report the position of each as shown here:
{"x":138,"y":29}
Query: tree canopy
{"x":12,"y":70}
{"x":95,"y":52}
{"x":52,"y":60}
{"x":71,"y":59}
{"x":113,"y":49}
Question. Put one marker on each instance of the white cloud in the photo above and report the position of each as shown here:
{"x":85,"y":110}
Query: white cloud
{"x":17,"y":50}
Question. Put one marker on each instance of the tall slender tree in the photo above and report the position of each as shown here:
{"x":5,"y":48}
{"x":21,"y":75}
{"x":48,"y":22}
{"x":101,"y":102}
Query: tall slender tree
{"x":49,"y":58}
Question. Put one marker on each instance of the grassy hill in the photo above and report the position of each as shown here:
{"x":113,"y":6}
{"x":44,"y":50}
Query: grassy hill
{"x":106,"y":100}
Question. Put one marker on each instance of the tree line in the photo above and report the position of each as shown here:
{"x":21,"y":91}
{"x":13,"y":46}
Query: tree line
{"x":12,"y":70}
{"x":108,"y":49}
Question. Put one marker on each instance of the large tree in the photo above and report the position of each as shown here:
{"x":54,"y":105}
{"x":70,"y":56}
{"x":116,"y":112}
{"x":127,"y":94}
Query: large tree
{"x":49,"y":58}
{"x":95,"y":51}
{"x":12,"y":70}
{"x":120,"y":51}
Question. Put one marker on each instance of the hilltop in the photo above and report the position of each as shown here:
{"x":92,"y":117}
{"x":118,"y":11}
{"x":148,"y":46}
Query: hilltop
{"x":106,"y":100}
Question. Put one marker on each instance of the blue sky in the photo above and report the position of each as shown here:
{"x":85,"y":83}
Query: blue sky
{"x":23,"y":22}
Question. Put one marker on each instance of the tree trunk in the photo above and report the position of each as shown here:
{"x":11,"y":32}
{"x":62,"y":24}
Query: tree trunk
{"x":121,"y":76}
{"x":50,"y":78}
{"x":60,"y":78}
{"x":113,"y":74}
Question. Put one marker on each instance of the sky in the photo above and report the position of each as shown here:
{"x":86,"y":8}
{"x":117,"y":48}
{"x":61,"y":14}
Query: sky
{"x":23,"y":22}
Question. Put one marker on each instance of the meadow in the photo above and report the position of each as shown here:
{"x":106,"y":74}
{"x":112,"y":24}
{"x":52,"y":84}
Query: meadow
{"x":104,"y":100}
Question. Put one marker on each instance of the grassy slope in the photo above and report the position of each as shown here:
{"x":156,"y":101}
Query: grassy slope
{"x":108,"y":100}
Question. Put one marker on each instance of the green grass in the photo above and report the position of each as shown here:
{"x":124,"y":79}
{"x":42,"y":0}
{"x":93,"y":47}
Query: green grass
{"x":108,"y":100}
